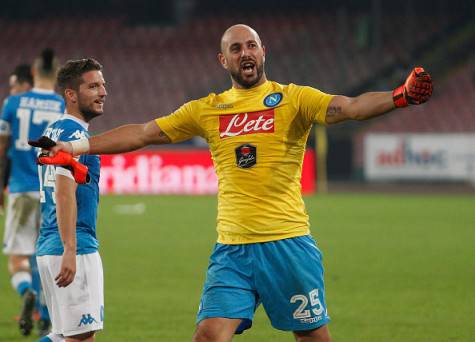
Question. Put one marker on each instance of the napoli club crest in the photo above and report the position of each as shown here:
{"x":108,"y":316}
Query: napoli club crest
{"x":246,"y":156}
{"x":273,"y":100}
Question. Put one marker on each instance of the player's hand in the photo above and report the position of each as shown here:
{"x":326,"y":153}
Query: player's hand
{"x":68,"y":268}
{"x":53,"y":147}
{"x":61,"y":146}
{"x":79,"y":171}
{"x":61,"y":157}
{"x":416,"y":90}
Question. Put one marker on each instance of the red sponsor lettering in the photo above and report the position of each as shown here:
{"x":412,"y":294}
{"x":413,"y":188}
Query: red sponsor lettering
{"x":232,"y":125}
{"x":172,"y":172}
{"x":158,"y":172}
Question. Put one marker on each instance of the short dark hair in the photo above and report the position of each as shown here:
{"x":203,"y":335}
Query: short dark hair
{"x":23,"y":74}
{"x":70,"y":74}
{"x":46,"y":65}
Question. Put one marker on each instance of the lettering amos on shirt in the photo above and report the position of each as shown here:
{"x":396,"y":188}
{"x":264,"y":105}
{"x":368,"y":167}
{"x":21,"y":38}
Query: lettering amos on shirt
{"x":232,"y":125}
{"x":44,"y":104}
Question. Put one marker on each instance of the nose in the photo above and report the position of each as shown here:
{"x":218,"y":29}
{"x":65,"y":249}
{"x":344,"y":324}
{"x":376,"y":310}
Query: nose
{"x":245,"y":52}
{"x":102,"y":91}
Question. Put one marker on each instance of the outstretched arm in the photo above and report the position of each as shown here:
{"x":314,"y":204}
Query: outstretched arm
{"x":118,"y":140}
{"x":127,"y":138}
{"x":416,"y":90}
{"x":363,"y":107}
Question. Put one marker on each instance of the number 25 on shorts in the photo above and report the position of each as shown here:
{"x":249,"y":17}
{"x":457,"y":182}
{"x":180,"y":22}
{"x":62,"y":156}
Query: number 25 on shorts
{"x":315,"y":303}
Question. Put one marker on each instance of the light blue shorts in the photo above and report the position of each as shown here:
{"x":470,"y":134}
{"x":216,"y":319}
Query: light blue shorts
{"x":286,"y":276}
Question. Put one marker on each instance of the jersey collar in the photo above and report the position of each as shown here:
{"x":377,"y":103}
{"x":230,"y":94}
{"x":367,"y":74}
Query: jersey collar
{"x":254,"y":90}
{"x":42,"y":91}
{"x":79,"y":121}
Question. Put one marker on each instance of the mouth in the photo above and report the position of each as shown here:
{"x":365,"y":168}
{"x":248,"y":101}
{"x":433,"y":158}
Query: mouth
{"x":248,"y":68}
{"x":99,"y":102}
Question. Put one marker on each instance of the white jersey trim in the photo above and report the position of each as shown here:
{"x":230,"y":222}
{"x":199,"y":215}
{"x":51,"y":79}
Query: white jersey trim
{"x":64,"y":172}
{"x":83,"y":123}
{"x":42,"y":91}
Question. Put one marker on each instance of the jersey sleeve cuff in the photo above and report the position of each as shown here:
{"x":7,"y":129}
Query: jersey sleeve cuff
{"x":64,"y":172}
{"x":322,"y":116}
{"x":164,"y":126}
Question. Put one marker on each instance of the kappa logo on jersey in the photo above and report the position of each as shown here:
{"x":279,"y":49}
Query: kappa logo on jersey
{"x":78,"y":134}
{"x":224,"y":106}
{"x":273,"y":100}
{"x":246,"y":156}
{"x":246,"y":123}
{"x":87,"y":319}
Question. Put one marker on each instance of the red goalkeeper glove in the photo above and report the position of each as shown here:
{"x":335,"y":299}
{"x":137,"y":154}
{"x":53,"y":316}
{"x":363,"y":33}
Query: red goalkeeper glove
{"x":64,"y":159}
{"x":416,"y":90}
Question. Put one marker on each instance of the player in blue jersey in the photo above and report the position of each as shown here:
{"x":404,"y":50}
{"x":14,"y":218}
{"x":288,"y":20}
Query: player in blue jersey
{"x":24,"y":117}
{"x":20,"y":81}
{"x":67,"y":248}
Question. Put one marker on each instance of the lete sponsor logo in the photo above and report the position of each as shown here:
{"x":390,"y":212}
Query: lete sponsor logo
{"x":246,"y":123}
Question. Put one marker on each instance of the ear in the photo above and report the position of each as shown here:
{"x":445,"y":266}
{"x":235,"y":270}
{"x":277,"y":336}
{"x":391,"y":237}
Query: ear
{"x":263,"y":53}
{"x":71,"y":95}
{"x":222,"y":60}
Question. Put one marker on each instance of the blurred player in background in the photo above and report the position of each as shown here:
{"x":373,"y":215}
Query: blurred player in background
{"x":67,"y":249}
{"x":20,"y":81}
{"x":25,"y":115}
{"x":257,"y":133}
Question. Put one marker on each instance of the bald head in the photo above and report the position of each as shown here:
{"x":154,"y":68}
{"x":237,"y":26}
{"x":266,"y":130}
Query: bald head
{"x":243,"y":56}
{"x":234,"y":32}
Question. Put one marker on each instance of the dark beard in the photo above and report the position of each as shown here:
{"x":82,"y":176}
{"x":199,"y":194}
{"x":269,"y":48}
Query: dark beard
{"x":236,"y":76}
{"x":88,"y":114}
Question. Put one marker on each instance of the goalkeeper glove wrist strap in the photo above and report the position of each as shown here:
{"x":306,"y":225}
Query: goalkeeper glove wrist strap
{"x":399,"y":98}
{"x":80,"y":146}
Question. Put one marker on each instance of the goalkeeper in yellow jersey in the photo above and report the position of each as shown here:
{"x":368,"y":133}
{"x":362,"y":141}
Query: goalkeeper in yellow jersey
{"x":257,"y":132}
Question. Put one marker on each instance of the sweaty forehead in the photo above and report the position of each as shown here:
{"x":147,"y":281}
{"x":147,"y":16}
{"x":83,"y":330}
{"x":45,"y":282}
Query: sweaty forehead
{"x":238,"y":34}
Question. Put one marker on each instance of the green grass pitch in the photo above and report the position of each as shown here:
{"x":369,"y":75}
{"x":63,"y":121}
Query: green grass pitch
{"x":398,"y":268}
